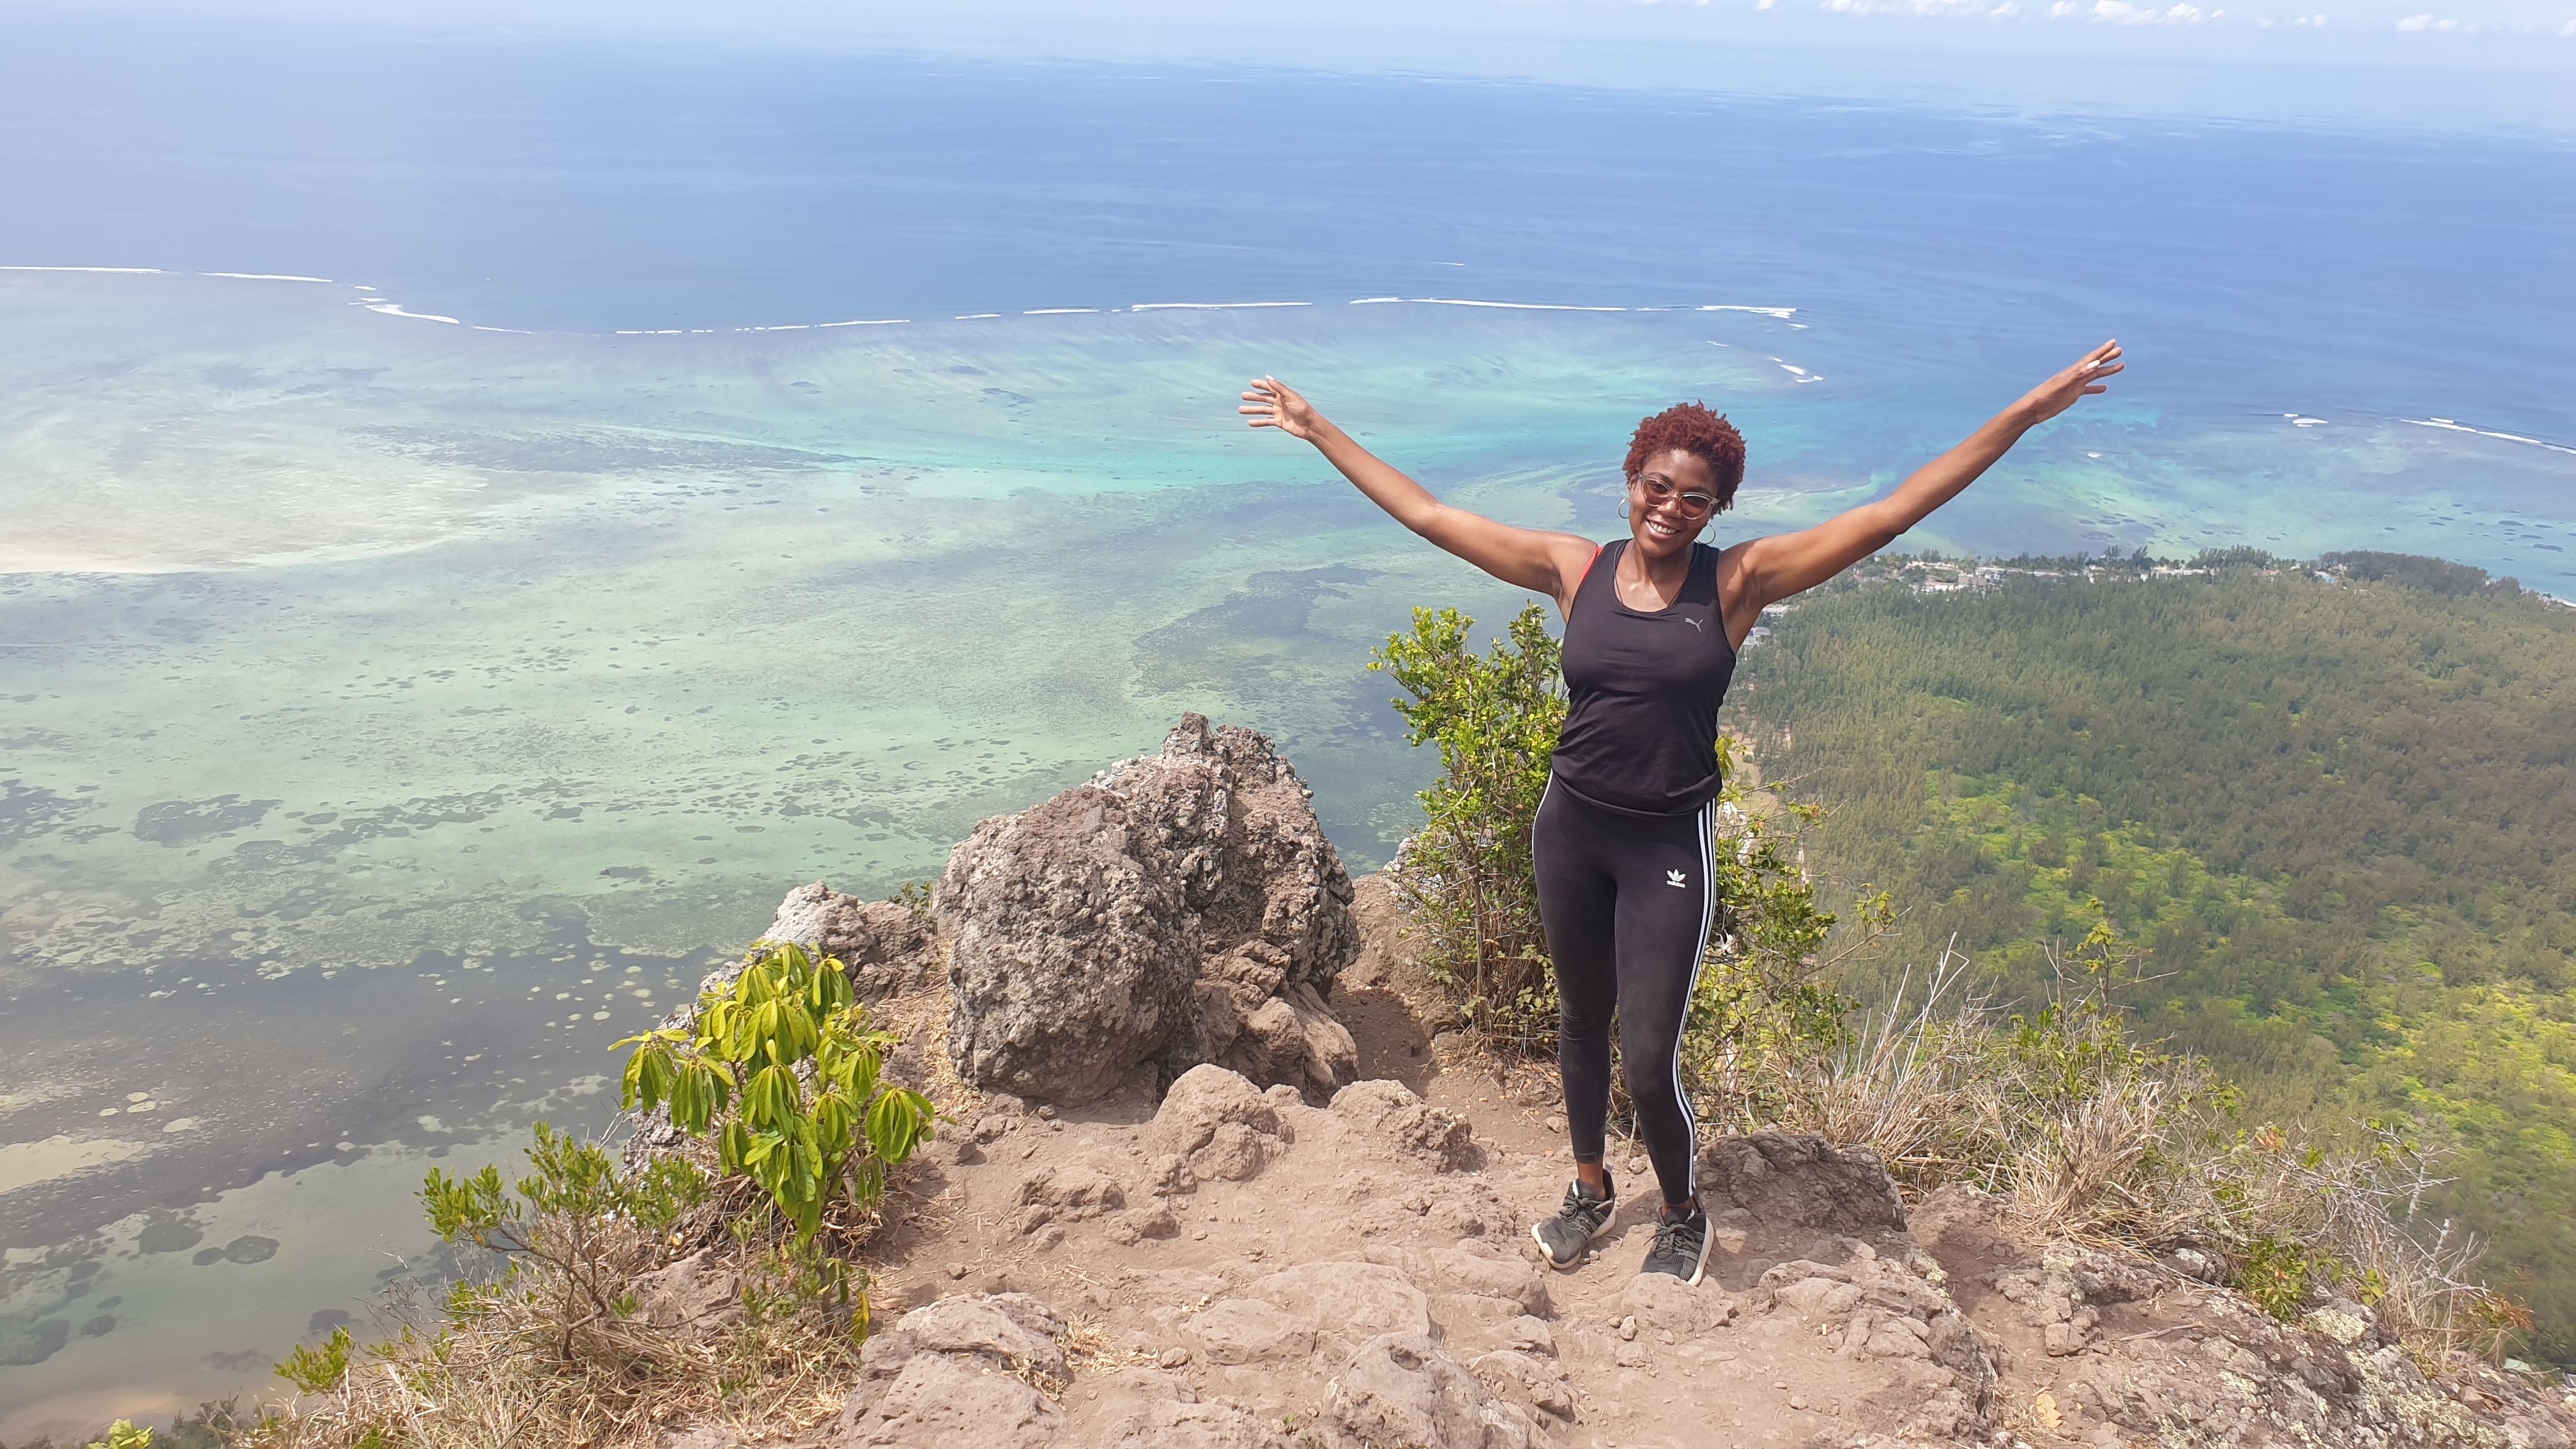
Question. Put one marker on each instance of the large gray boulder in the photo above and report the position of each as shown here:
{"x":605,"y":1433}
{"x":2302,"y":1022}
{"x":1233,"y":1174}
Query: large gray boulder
{"x":1183,"y":907}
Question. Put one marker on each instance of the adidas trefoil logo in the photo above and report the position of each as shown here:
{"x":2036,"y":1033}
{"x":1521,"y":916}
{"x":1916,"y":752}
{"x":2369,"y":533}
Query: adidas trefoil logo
{"x":1676,"y":879}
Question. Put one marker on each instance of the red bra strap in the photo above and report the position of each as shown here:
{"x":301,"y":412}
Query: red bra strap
{"x":1587,"y":565}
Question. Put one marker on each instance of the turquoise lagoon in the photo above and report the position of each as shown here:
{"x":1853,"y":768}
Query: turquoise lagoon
{"x":409,"y":689}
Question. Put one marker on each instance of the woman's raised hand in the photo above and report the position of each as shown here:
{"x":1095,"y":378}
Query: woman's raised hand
{"x":2060,"y":392}
{"x":1270,"y":403}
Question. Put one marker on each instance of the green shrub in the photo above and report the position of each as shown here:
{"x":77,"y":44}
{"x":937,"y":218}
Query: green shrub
{"x":2278,"y":1272}
{"x":784,"y":1071}
{"x":318,"y":1370}
{"x":575,"y":1213}
{"x":789,"y":1128}
{"x":1764,"y":1010}
{"x":1466,"y":875}
{"x":1467,"y":879}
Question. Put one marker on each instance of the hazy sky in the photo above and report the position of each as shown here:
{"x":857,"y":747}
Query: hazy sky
{"x":2429,"y":25}
{"x":2477,"y":62}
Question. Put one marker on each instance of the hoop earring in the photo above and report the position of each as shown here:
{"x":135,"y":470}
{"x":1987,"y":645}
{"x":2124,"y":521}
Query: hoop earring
{"x":1623,"y":508}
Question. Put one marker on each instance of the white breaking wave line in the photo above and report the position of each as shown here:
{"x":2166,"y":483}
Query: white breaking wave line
{"x":1515,"y":306}
{"x":1208,"y":306}
{"x":2448,"y":426}
{"x":373,"y":299}
{"x":394,"y":309}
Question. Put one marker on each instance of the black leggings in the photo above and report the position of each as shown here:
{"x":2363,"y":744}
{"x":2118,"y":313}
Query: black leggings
{"x":1627,"y":905}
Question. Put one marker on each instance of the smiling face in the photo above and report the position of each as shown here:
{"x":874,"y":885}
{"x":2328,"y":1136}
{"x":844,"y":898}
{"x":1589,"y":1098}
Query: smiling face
{"x":1660,"y":516}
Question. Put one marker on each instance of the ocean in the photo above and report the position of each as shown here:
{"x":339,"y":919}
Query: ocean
{"x":483,"y":521}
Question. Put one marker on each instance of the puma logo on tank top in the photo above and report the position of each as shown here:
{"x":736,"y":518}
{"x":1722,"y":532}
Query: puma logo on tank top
{"x":1642,"y":694}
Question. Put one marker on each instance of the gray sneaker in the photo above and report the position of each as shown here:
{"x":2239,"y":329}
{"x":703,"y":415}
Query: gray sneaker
{"x":1681,"y":1246}
{"x":1584,"y":1216}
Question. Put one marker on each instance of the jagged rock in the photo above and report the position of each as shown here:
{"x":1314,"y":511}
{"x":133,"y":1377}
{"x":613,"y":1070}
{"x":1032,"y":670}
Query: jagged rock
{"x":1137,"y":1224}
{"x":1150,"y":1409}
{"x":2064,"y":1293}
{"x":1946,"y":1414}
{"x":1660,"y":1300}
{"x":1251,"y":1331}
{"x":953,"y":1402}
{"x":1955,"y":1346}
{"x":1522,"y":1378}
{"x":1169,"y":1174}
{"x":2211,"y":1369}
{"x":885,"y":945}
{"x":1218,"y":1126}
{"x":1519,"y":1285}
{"x":1012,"y":1331}
{"x":1527,"y":1335}
{"x":1073,"y":1192}
{"x":1290,"y":1038}
{"x":1887,"y":1335}
{"x":1072,"y":959}
{"x":1183,"y":907}
{"x":1348,"y":1302}
{"x":1196,"y":1426}
{"x":1817,"y":1299}
{"x":1786,"y":1180}
{"x":1391,"y":1111}
{"x":886,"y":1352}
{"x":1401,"y":1388}
{"x":2343,"y":1322}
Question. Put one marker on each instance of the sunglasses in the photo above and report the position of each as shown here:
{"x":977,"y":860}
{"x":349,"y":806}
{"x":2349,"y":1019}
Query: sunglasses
{"x":1658,"y":493}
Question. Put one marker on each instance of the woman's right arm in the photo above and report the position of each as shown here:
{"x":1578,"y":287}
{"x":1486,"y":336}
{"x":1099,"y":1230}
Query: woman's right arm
{"x":1530,"y":558}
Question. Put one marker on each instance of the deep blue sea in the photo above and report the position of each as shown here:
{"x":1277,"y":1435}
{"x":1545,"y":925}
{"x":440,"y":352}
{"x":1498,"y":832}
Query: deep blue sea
{"x":479,"y":521}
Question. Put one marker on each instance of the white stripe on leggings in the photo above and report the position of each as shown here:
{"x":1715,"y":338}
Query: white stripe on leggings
{"x":1707,"y":917}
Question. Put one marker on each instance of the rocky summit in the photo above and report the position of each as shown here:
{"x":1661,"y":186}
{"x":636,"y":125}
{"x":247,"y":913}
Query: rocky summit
{"x":1182,"y":1203}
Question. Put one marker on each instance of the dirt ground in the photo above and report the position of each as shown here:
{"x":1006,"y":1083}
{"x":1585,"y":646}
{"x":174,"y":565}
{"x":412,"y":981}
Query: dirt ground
{"x":1221,"y":1266}
{"x":1018,"y":1201}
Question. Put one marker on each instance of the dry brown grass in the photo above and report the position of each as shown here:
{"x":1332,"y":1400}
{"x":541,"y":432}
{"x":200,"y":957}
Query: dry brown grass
{"x":505,"y":1364}
{"x":492,"y":1378}
{"x":498,"y":1366}
{"x":2092,"y":1137}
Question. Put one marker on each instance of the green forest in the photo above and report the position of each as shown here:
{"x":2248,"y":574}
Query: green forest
{"x":2330,"y":806}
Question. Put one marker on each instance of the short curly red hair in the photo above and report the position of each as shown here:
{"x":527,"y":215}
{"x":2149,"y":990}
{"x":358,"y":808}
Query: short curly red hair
{"x":1692,"y":428}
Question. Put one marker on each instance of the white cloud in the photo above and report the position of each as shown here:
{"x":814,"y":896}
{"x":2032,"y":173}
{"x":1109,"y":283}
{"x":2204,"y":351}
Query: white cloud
{"x":2413,"y":23}
{"x":2567,"y":31}
{"x":2121,"y":12}
{"x":2061,"y":9}
{"x":2005,"y":11}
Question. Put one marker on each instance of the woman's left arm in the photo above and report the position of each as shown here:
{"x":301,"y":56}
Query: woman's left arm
{"x":1767,"y":570}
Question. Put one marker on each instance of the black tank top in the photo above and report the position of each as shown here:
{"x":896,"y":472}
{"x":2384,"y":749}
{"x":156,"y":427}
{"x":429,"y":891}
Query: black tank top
{"x":1642,"y":692}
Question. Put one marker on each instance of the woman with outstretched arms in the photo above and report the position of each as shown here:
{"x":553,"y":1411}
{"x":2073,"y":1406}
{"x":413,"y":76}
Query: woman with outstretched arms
{"x":1621,"y":844}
